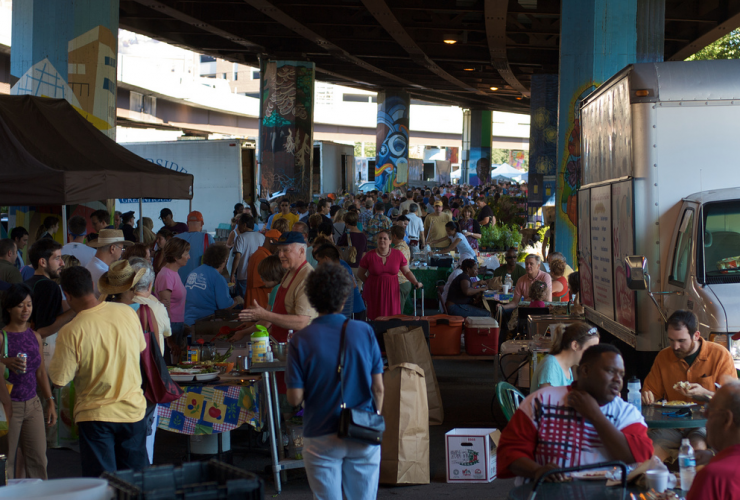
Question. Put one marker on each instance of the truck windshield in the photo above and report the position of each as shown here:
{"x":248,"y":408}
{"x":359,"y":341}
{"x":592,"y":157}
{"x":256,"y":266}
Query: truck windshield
{"x":721,"y":241}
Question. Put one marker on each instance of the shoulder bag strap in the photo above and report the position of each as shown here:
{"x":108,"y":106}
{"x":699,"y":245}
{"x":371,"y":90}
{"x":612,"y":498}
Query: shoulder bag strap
{"x":5,"y":352}
{"x":340,"y":368}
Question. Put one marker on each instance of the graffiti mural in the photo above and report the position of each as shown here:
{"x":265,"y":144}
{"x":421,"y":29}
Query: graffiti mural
{"x":286,"y":128}
{"x":392,"y":138}
{"x":479,"y":162}
{"x":543,"y":140}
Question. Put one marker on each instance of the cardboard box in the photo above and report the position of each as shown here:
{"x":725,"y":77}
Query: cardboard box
{"x":471,"y":455}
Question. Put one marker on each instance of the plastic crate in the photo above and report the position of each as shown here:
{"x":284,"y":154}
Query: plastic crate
{"x":192,"y":481}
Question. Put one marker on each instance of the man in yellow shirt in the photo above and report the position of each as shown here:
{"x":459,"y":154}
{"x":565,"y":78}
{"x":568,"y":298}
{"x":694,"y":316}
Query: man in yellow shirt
{"x":286,"y":214}
{"x":100,"y":350}
{"x":434,"y":227}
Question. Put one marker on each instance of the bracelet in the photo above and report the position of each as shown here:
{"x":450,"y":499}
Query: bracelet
{"x":51,"y":398}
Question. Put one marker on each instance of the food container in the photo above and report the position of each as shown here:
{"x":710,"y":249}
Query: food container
{"x":280,"y":350}
{"x":260,"y":341}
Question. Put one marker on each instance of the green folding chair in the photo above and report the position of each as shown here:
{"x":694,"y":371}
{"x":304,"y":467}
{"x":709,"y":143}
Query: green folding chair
{"x":509,"y":398}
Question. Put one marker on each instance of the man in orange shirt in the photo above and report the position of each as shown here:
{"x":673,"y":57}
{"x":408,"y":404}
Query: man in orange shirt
{"x":255,"y":287}
{"x":689,"y":358}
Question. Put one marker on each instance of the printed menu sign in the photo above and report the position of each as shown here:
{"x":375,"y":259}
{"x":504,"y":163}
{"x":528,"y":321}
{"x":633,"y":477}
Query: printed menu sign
{"x":601,"y":250}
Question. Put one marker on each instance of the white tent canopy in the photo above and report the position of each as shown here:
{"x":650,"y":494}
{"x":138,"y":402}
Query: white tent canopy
{"x":506,"y":172}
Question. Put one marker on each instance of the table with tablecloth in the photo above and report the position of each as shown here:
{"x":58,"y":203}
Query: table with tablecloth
{"x":429,"y":276}
{"x":211,"y":409}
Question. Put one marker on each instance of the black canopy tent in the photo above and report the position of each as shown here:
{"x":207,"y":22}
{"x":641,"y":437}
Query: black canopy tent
{"x":51,"y":155}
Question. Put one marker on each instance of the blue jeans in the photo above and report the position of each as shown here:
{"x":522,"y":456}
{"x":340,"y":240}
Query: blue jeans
{"x":466,"y":310}
{"x":241,"y":288}
{"x":334,"y":465}
{"x":112,"y":446}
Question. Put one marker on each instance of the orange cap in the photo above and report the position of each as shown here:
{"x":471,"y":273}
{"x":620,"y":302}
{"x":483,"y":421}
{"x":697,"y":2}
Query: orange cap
{"x":331,"y":196}
{"x":273,"y":234}
{"x":195,"y":216}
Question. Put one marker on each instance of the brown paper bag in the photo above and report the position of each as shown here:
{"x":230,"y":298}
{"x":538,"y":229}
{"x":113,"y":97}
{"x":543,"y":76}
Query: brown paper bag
{"x":404,"y":453}
{"x":410,"y":347}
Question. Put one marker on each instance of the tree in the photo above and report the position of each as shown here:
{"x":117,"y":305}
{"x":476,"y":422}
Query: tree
{"x":499,"y":156}
{"x":727,"y":47}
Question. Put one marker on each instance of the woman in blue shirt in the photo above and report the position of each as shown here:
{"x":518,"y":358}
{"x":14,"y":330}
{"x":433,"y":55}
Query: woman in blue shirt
{"x":335,"y":465}
{"x":207,"y":290}
{"x":568,"y":345}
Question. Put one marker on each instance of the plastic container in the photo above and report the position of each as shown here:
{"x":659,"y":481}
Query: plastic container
{"x":201,"y":480}
{"x":634,"y":397}
{"x":481,"y":336}
{"x":686,"y":464}
{"x":260,"y":341}
{"x":445,"y":333}
{"x":59,"y":489}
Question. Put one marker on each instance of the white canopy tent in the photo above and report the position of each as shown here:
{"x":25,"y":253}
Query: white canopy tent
{"x":506,"y":172}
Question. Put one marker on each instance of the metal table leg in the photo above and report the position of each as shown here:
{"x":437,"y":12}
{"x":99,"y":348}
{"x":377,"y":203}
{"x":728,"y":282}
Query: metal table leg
{"x":278,"y":424}
{"x":271,"y":429}
{"x":220,"y":454}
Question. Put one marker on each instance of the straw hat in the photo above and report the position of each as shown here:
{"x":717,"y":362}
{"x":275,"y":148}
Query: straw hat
{"x":119,"y":278}
{"x":108,"y":237}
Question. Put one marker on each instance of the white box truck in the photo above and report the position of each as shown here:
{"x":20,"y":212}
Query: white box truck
{"x":223,"y":172}
{"x":333,"y":167}
{"x":659,"y":159}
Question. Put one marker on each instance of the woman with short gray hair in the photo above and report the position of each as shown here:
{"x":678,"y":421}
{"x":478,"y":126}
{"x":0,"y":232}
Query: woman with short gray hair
{"x":143,"y":295}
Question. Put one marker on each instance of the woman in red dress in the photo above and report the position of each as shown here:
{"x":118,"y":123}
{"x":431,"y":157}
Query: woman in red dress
{"x":379,"y":271}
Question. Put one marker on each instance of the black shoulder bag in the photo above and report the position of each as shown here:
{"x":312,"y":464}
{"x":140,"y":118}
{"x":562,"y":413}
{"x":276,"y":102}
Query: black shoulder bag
{"x":356,"y":424}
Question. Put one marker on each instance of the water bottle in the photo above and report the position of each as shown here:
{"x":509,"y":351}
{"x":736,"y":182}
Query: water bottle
{"x":508,"y":283}
{"x":633,"y":395}
{"x":687,"y":464}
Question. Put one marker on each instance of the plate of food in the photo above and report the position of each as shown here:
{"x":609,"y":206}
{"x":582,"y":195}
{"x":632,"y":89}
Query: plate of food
{"x":674,"y":404}
{"x":592,"y":475}
{"x":182,"y":376}
{"x":205,"y":377}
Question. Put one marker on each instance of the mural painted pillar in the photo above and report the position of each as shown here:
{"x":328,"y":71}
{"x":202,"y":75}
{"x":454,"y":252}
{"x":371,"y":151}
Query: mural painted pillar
{"x":286,"y":128}
{"x":68,"y":49}
{"x":598,"y":38}
{"x":479,"y":157}
{"x":392,"y":141}
{"x":543,"y":140}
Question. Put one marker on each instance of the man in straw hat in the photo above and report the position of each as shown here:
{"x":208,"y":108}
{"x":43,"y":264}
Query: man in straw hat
{"x":109,"y":246}
{"x":100,"y":350}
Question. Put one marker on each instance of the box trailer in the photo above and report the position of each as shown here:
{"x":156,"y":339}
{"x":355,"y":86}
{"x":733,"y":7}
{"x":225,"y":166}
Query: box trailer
{"x":333,"y":167}
{"x":223,"y":172}
{"x":659,"y":187}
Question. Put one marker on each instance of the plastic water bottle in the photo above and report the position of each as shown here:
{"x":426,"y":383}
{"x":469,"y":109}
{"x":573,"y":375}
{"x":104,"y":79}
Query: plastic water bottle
{"x":687,"y":464}
{"x":508,"y":283}
{"x":633,"y":395}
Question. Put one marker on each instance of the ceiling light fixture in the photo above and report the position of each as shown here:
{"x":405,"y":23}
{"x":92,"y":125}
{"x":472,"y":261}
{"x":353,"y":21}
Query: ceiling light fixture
{"x":494,"y":88}
{"x":450,"y":39}
{"x":468,"y":69}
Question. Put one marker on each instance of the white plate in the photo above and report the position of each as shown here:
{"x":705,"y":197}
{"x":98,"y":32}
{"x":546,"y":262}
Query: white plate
{"x":205,"y":377}
{"x":663,"y":405}
{"x":182,"y":378}
{"x":591,"y":475}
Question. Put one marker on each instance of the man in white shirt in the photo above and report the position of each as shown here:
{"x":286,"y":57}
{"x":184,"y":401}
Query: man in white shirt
{"x":109,"y":246}
{"x":415,"y":229}
{"x":245,"y":245}
{"x":77,"y":228}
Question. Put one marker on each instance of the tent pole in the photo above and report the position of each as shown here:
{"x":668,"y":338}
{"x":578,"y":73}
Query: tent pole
{"x":190,"y":207}
{"x":65,"y":237}
{"x":141,"y":223}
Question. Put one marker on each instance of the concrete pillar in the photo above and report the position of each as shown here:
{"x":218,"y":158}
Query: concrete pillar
{"x":392,"y":141}
{"x":68,"y":49}
{"x":543,"y":140}
{"x":479,"y":155}
{"x":598,"y":38}
{"x":286,"y":128}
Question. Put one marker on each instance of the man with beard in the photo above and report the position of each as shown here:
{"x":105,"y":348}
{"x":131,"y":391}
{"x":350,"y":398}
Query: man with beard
{"x":698,"y":364}
{"x":582,"y":424}
{"x":48,"y":315}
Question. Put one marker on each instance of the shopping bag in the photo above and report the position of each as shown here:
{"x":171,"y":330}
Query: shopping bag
{"x":3,"y":421}
{"x":411,"y":347}
{"x":404,"y":454}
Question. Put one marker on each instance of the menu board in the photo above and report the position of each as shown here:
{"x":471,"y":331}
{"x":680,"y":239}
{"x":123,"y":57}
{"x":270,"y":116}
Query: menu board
{"x":601,"y":250}
{"x":584,"y":248}
{"x":623,"y":243}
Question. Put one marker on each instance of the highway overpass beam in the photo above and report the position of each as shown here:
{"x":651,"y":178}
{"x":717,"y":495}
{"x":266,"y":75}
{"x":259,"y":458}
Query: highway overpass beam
{"x":286,"y":128}
{"x":68,"y":49}
{"x":598,"y":38}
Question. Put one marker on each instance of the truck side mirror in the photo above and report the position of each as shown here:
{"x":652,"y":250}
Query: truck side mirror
{"x":637,"y":272}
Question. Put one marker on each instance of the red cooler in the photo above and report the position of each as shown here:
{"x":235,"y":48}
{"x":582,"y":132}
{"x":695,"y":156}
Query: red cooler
{"x":481,"y":336}
{"x":445,"y":333}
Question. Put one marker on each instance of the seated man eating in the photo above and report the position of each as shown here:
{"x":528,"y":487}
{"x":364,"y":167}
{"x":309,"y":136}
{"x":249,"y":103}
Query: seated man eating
{"x":685,"y":371}
{"x":581,"y":424}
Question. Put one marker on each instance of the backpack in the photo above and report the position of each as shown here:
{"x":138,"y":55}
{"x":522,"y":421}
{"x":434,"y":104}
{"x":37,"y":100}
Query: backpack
{"x":349,"y":253}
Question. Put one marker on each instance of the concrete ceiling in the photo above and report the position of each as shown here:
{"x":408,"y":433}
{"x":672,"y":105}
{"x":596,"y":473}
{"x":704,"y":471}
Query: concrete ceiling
{"x":376,"y":44}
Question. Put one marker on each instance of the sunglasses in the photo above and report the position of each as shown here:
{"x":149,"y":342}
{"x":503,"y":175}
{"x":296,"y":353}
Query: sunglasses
{"x":509,"y":257}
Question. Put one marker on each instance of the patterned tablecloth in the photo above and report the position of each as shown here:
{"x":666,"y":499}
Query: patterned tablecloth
{"x":213,"y":409}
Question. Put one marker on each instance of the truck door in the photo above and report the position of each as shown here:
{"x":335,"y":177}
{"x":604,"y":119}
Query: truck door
{"x":682,"y":271}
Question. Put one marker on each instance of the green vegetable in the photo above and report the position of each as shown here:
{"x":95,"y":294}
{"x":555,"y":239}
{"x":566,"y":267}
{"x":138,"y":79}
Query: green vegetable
{"x":221,"y":358}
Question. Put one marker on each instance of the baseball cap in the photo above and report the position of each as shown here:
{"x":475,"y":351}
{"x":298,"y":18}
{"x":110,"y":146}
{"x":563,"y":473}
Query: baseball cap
{"x":331,"y":196}
{"x":195,"y":216}
{"x":290,"y":237}
{"x":438,"y":204}
{"x":273,"y":234}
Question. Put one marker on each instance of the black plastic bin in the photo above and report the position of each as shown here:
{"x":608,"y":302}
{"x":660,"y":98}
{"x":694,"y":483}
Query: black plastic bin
{"x":192,"y":481}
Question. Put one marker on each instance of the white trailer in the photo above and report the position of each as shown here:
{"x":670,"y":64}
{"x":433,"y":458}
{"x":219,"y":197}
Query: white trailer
{"x":660,"y":187}
{"x":223,"y":172}
{"x":333,"y":167}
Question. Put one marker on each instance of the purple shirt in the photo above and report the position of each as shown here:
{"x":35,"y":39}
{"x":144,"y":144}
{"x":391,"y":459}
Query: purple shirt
{"x":24,"y":384}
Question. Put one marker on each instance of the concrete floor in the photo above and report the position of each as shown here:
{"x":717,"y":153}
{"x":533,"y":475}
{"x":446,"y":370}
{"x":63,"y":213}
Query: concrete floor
{"x":467,"y":389}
